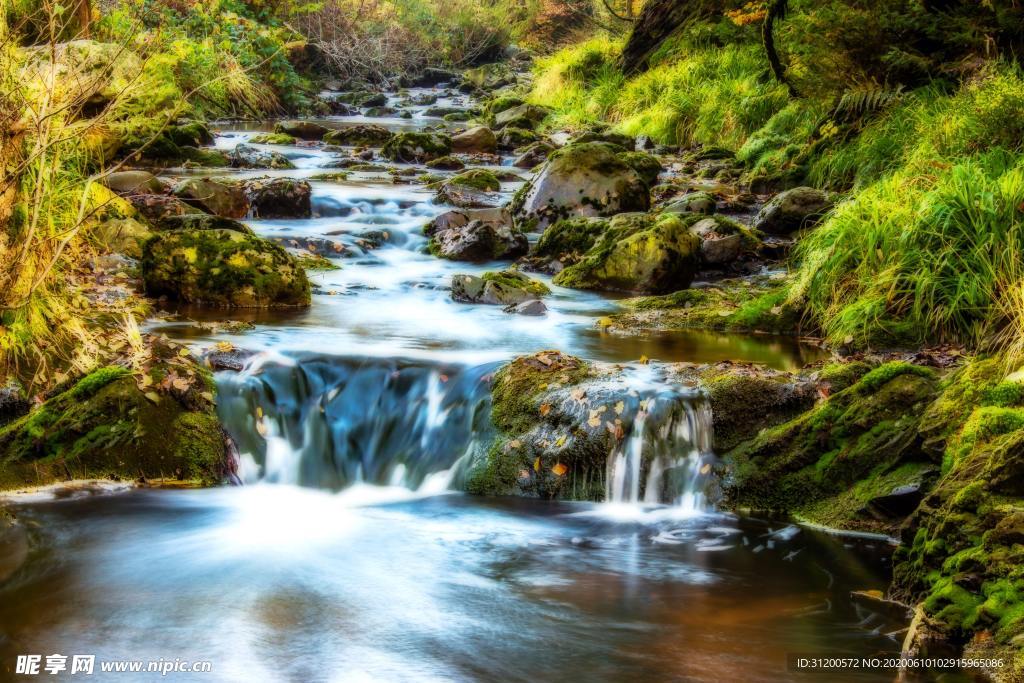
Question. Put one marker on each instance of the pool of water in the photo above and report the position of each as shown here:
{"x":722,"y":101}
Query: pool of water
{"x":280,"y":583}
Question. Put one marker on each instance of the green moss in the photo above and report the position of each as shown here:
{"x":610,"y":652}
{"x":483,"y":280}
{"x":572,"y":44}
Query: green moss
{"x":517,"y":386}
{"x":273,"y":139}
{"x":501,"y":103}
{"x":647,"y":166}
{"x":478,"y":179}
{"x":1004,"y":395}
{"x":569,"y":239}
{"x":96,"y":380}
{"x":885,"y":373}
{"x":496,"y":475}
{"x":513,"y":279}
{"x":416,"y":147}
{"x":223,"y":268}
{"x":841,"y":375}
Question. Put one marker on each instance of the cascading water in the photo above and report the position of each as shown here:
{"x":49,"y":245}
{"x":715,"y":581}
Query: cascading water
{"x":327,"y":422}
{"x":666,"y":456}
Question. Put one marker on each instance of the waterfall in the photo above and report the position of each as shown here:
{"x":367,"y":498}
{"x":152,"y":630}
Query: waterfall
{"x":329,"y":422}
{"x":666,"y":456}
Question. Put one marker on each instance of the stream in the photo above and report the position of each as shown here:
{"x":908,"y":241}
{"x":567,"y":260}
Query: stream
{"x":350,"y":555}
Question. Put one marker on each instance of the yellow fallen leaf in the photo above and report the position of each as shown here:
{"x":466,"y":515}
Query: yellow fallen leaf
{"x":644,"y":360}
{"x":620,"y":407}
{"x":184,"y":353}
{"x":536,"y":465}
{"x":153,"y":396}
{"x":706,"y":468}
{"x":559,"y":469}
{"x":560,"y":441}
{"x":261,"y":427}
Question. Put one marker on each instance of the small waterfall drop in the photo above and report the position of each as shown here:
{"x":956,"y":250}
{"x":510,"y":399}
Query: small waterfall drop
{"x":329,"y":422}
{"x":666,"y":456}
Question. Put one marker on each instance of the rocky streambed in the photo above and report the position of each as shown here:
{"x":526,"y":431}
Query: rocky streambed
{"x":418,"y":292}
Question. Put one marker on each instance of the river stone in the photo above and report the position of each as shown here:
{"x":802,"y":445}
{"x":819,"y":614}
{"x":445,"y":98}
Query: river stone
{"x":532,"y":307}
{"x":626,"y":142}
{"x":366,"y":135}
{"x":133,"y":182}
{"x":304,"y":130}
{"x":513,"y":137}
{"x":213,"y":196}
{"x":522,"y":116}
{"x":505,"y":288}
{"x":534,"y":154}
{"x":446,"y":164}
{"x":201,"y":221}
{"x":373,"y":100}
{"x":417,"y":147}
{"x":694,"y":202}
{"x":478,"y":139}
{"x":156,"y":207}
{"x":430,"y":77}
{"x":638,"y":253}
{"x":580,"y":180}
{"x":791,"y":210}
{"x":247,"y":156}
{"x":380,"y":112}
{"x":478,"y":240}
{"x":279,"y":198}
{"x":223,"y":268}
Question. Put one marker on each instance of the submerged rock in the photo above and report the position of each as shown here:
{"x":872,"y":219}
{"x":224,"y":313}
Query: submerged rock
{"x":580,"y":180}
{"x":792,"y":210}
{"x":223,"y":268}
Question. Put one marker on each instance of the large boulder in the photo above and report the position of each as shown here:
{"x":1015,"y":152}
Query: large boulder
{"x":158,"y":422}
{"x":504,"y":288}
{"x":638,"y":253}
{"x":417,"y":147}
{"x":580,"y":180}
{"x":304,"y":130}
{"x":214,"y":196}
{"x":478,"y":139}
{"x":247,"y":156}
{"x":366,"y":136}
{"x":223,"y":268}
{"x":792,"y":210}
{"x":475,"y":235}
{"x":279,"y":198}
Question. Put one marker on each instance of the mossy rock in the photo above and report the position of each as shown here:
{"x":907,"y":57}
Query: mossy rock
{"x":513,"y":137}
{"x":647,"y":165}
{"x":105,"y":426}
{"x":417,"y":147}
{"x":273,"y":139}
{"x":448,"y":163}
{"x":807,"y":466}
{"x":361,"y":135}
{"x":638,"y":253}
{"x":502,"y":103}
{"x":304,"y":130}
{"x":580,"y":181}
{"x":501,"y":288}
{"x":478,"y":179}
{"x":221,"y":198}
{"x":223,"y":268}
{"x":568,"y":240}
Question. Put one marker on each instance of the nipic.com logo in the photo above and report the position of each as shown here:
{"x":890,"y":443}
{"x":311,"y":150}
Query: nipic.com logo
{"x":34,"y":665}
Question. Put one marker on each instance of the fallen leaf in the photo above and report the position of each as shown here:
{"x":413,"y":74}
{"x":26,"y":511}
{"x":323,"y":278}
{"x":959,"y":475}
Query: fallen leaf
{"x":644,"y":360}
{"x":536,"y":465}
{"x":153,"y":396}
{"x":705,"y":469}
{"x":559,"y":469}
{"x":545,"y":408}
{"x":620,"y":407}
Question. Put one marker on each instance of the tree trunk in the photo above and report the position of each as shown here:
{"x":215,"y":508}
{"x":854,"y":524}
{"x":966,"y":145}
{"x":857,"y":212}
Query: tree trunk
{"x":776,"y":12}
{"x":658,"y":20}
{"x":83,"y":13}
